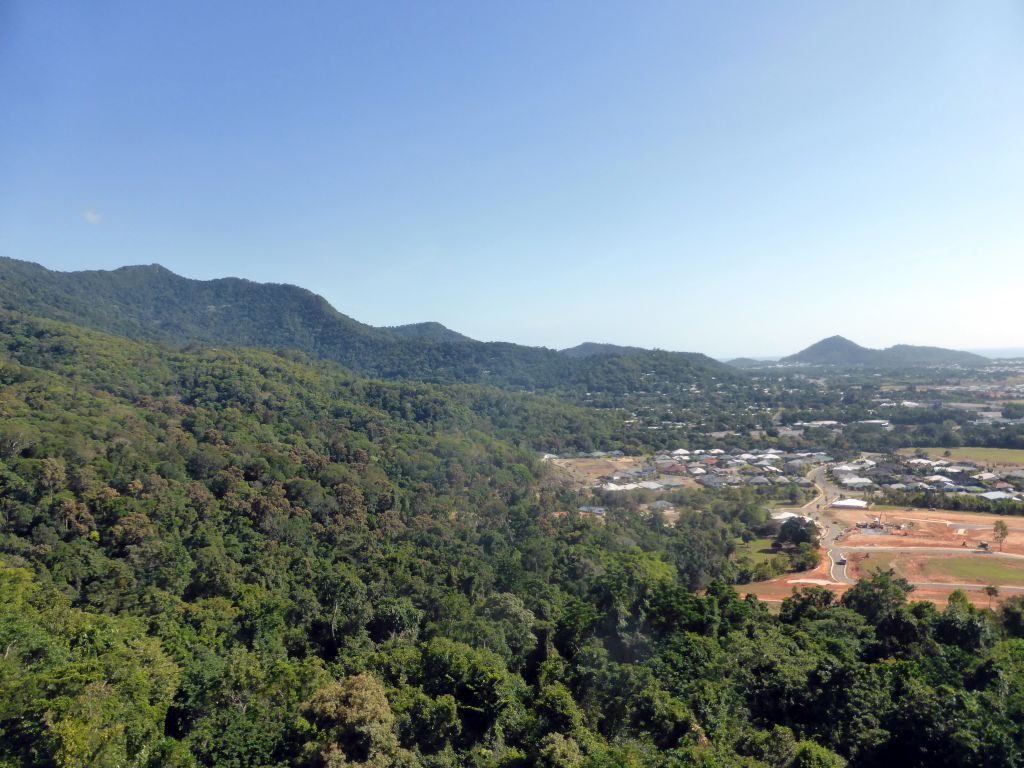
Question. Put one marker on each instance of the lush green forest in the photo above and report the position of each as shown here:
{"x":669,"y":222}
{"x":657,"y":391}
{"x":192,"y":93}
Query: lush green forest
{"x":235,"y":558}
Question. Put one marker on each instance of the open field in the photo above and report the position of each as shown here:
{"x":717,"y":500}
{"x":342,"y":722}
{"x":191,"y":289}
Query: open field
{"x":998,"y":457}
{"x":758,"y":550}
{"x":981,"y":569}
{"x":941,"y":568}
{"x":868,"y":563}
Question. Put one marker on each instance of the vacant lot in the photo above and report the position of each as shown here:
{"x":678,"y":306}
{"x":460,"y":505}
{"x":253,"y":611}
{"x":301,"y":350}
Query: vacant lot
{"x":586,"y":473}
{"x":996,"y":457}
{"x":924,"y":528}
{"x":872,"y":562}
{"x":941,"y":568}
{"x":979,"y":568}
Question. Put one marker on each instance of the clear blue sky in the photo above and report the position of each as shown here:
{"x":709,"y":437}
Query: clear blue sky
{"x":726,"y":177}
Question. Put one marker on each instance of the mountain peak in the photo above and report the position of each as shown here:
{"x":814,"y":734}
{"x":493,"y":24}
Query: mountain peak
{"x":428,"y":331}
{"x":838,"y":350}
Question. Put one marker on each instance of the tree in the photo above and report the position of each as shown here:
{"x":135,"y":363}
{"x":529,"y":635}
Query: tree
{"x":993,"y":592}
{"x":811,"y":755}
{"x":76,"y":689}
{"x":796,"y":530}
{"x":557,"y":751}
{"x":52,"y":475}
{"x":1012,"y":615}
{"x":1000,"y":531}
{"x":879,"y":596}
{"x":355,"y":724}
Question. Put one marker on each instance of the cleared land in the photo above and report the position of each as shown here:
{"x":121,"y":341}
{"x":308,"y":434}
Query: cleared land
{"x":980,"y":569}
{"x":941,"y":568}
{"x":997,"y":457}
{"x":868,"y":563}
{"x":924,"y":528}
{"x":586,"y":473}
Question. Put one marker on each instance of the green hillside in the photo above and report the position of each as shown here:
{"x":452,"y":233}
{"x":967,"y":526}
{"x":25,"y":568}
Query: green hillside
{"x":224,"y":558}
{"x":152,"y":303}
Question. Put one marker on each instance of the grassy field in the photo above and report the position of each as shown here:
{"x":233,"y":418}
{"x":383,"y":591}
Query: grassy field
{"x":986,"y":570}
{"x":878,"y":561}
{"x":1001,"y":456}
{"x":758,"y":550}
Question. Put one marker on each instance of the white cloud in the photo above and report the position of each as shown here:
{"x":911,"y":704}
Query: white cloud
{"x":92,"y":217}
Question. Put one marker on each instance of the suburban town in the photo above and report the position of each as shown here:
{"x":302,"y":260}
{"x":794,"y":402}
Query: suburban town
{"x":861,"y":511}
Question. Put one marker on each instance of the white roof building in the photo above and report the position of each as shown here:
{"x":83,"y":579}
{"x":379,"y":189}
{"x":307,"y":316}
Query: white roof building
{"x":850,"y":504}
{"x":788,"y":515}
{"x":998,"y":496}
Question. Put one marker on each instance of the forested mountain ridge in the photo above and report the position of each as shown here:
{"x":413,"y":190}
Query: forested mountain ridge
{"x":232,"y":558}
{"x":590,"y":349}
{"x":152,"y":303}
{"x":839,"y":351}
{"x":429,"y":331}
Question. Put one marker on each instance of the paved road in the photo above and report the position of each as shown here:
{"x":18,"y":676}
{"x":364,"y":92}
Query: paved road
{"x":837,"y":571}
{"x":827,"y":490}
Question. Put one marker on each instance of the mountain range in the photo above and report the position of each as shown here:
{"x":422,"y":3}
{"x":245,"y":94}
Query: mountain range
{"x":154,"y":304}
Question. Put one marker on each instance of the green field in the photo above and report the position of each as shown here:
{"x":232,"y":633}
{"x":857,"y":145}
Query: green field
{"x":1001,"y":456}
{"x":980,"y":568}
{"x":878,"y":561}
{"x":758,"y":550}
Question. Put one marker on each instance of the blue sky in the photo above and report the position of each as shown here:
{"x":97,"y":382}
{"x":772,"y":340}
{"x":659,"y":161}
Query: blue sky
{"x":725,"y":177}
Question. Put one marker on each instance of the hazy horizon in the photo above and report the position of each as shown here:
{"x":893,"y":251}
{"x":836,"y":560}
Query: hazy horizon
{"x":733,"y":179}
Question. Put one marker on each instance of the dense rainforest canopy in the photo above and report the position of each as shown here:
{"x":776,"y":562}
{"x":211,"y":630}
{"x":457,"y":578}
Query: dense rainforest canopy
{"x":235,"y":558}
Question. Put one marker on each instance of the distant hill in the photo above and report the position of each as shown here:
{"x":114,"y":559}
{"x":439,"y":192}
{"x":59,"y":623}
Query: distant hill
{"x":591,"y":349}
{"x":154,"y":304}
{"x":748,"y":362}
{"x":425,"y":332}
{"x":840,"y":351}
